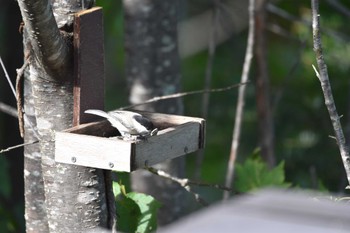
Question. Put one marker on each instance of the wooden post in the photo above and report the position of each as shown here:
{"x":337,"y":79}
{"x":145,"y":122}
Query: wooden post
{"x":89,"y":86}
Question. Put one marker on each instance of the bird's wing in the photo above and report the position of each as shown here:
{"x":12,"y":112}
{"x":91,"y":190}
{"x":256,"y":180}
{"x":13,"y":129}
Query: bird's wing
{"x":113,"y":120}
{"x":97,"y":112}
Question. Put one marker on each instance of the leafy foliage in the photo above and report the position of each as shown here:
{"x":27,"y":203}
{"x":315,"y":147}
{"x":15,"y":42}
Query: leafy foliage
{"x":136,"y":212}
{"x":148,"y":207}
{"x":254,"y":174}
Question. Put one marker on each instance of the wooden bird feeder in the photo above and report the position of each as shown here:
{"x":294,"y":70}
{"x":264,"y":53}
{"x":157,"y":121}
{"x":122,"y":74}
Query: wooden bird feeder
{"x":96,"y":144}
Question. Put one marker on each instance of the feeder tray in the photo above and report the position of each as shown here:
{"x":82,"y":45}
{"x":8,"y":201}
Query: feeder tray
{"x":97,"y":144}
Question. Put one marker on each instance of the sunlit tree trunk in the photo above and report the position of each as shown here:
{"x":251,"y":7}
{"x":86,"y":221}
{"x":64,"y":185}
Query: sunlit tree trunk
{"x":59,"y":197}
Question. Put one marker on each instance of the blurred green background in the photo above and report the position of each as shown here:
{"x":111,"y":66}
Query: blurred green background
{"x":302,"y":126}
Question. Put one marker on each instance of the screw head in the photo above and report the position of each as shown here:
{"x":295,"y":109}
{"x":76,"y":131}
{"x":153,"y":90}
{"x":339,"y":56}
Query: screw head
{"x":111,"y":165}
{"x":74,"y":159}
{"x":186,"y":149}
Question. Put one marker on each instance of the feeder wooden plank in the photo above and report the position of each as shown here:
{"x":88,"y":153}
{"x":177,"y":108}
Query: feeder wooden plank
{"x":98,"y":128}
{"x":170,"y":143}
{"x":91,"y":151}
{"x":168,"y":120}
{"x":89,"y":86}
{"x":162,"y":121}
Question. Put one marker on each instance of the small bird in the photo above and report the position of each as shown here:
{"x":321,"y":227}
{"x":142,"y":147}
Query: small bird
{"x":131,"y":125}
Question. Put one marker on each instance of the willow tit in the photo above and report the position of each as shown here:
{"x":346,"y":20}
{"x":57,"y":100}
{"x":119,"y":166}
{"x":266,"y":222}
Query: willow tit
{"x":131,"y":125}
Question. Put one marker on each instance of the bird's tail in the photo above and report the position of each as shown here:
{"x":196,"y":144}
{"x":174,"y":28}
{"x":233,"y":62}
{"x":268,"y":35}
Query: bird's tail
{"x":97,"y":112}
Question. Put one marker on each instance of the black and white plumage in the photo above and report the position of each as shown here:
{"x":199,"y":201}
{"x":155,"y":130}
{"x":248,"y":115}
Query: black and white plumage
{"x":129,"y":124}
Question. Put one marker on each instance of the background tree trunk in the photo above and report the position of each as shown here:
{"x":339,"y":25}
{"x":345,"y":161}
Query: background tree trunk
{"x":153,"y":69}
{"x":75,"y":198}
{"x":265,"y":120}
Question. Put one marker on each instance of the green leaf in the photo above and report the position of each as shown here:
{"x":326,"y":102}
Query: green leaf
{"x":254,"y":174}
{"x":136,"y":212}
{"x":149,"y":207}
{"x":128,"y":212}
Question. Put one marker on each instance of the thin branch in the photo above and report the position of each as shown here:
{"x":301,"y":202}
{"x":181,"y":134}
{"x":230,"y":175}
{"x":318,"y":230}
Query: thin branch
{"x":17,"y":146}
{"x":280,"y":31}
{"x":208,"y":78}
{"x":7,"y":77}
{"x":8,"y":109}
{"x":181,"y":94}
{"x":21,"y":116}
{"x":339,"y":7}
{"x":185,"y":183}
{"x":283,"y":86}
{"x":240,"y":101}
{"x":181,"y":182}
{"x":327,"y":91}
{"x":284,"y":14}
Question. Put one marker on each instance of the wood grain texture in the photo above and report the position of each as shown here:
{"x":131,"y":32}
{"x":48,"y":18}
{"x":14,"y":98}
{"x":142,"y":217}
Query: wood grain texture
{"x":89,"y":85}
{"x":163,"y":121}
{"x":91,"y":151}
{"x":170,"y":143}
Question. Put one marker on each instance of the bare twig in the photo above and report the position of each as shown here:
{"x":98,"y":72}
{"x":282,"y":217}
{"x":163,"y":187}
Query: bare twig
{"x":339,"y":7}
{"x":181,"y":182}
{"x":280,"y":31}
{"x":327,"y":91}
{"x":208,"y":78}
{"x":7,"y":77}
{"x":8,"y":109}
{"x":283,"y":86}
{"x":185,"y":183}
{"x":284,"y":14}
{"x":181,"y":94}
{"x":17,"y":95}
{"x":240,"y":101}
{"x":17,"y":146}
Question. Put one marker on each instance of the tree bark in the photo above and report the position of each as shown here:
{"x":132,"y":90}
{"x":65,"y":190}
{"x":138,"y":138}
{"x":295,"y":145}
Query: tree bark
{"x":75,"y":197}
{"x":153,"y":69}
{"x":35,"y":208}
{"x":265,"y":119}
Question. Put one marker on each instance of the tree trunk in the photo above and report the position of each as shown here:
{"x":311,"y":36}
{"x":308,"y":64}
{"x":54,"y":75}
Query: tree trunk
{"x":75,"y":197}
{"x":265,"y":120}
{"x":153,"y":69}
{"x":35,"y":208}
